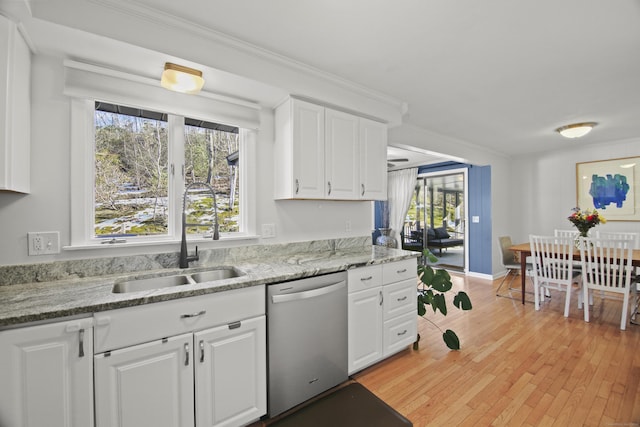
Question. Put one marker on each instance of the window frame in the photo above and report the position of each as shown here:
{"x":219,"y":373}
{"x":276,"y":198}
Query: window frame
{"x":83,"y":179}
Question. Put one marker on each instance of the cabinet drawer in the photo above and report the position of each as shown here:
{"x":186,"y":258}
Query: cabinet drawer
{"x":399,"y":333}
{"x":400,"y":270}
{"x":364,"y":278}
{"x":399,"y":298}
{"x":134,"y":325}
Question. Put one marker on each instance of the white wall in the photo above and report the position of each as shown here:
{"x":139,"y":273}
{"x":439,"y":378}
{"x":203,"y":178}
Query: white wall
{"x":544,"y":188}
{"x":46,"y":208}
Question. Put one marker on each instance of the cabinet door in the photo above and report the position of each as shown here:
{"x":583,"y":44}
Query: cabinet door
{"x":46,"y":374}
{"x":149,"y":384}
{"x":231,"y":373}
{"x":308,"y":150}
{"x":15,"y":109}
{"x":373,"y":160}
{"x":365,"y":328}
{"x":341,"y":155}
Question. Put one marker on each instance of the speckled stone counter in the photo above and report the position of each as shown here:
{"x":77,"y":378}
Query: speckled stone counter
{"x":80,"y":288}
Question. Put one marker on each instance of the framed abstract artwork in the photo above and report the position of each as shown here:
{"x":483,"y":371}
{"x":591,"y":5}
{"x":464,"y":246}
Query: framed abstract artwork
{"x":610,"y":186}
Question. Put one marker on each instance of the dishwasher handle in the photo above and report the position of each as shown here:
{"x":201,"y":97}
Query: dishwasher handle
{"x":312,"y":293}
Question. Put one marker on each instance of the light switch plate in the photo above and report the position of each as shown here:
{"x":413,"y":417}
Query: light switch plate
{"x":43,"y":243}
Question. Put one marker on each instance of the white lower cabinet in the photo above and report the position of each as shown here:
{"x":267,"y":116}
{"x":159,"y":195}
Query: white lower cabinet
{"x":231,"y":373}
{"x":46,"y":373}
{"x":382,"y":311}
{"x":146,"y":384}
{"x":364,"y":317}
{"x":214,"y":375}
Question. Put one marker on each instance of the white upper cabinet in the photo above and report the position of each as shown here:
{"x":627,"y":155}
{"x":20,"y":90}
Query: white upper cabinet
{"x":15,"y":109}
{"x":373,"y":160}
{"x":299,"y":166}
{"x":323,"y":153}
{"x":341,"y":155}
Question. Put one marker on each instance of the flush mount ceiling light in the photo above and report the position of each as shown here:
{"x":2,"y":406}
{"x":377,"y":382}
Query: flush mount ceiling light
{"x":181,"y":79}
{"x":576,"y":130}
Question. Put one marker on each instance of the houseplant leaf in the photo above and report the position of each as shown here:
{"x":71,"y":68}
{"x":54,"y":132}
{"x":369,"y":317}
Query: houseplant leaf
{"x":441,"y":281}
{"x":451,"y":339}
{"x":462,"y":301}
{"x":439,"y":303}
{"x":422,"y":301}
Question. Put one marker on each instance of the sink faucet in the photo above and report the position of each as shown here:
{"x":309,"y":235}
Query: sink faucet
{"x":185,"y":258}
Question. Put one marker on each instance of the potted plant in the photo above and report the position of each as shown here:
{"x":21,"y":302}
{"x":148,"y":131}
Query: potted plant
{"x":434,"y":284}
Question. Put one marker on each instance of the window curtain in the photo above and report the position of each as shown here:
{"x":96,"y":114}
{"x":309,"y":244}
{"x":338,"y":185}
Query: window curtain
{"x":400,"y":187}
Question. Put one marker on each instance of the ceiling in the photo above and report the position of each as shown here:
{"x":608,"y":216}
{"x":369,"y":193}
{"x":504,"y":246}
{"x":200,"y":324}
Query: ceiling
{"x":499,"y":74}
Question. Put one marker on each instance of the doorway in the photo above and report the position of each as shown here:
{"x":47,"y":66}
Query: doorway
{"x":438,"y":211}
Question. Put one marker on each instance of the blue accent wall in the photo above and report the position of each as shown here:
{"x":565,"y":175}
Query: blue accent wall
{"x":480,"y":233}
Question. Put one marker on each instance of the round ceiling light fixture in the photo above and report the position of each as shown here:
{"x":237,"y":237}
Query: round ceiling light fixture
{"x":576,"y":130}
{"x":179,"y":78}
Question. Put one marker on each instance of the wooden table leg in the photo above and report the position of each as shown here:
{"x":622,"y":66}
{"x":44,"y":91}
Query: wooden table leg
{"x":523,"y":273}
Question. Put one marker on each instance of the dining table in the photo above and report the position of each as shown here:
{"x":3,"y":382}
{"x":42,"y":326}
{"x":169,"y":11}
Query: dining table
{"x":524,"y":250}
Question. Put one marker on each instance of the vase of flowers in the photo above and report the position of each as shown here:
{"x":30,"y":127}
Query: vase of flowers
{"x":585,"y":221}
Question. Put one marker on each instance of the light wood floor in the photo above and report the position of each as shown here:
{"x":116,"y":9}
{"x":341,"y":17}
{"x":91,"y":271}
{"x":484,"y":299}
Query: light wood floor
{"x":516,"y":367}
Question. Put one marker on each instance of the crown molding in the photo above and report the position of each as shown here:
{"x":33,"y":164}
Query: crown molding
{"x":158,"y":17}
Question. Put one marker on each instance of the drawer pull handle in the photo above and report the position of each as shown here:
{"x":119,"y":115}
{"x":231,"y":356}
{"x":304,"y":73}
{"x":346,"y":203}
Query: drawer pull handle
{"x":404,"y":270}
{"x":381,"y":298}
{"x":329,"y":188}
{"x":402,"y":333}
{"x":364,"y":279}
{"x":402,"y":299}
{"x":186,"y":354}
{"x":362,"y":189}
{"x":234,"y":325}
{"x":186,"y":316}
{"x":81,"y":345}
{"x":297,"y":185}
{"x":201,"y":351}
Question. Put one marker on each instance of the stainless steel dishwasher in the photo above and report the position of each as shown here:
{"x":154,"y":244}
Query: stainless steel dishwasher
{"x":307,"y":339}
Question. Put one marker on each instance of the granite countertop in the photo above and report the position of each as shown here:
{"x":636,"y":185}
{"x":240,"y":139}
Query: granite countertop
{"x":41,"y":301}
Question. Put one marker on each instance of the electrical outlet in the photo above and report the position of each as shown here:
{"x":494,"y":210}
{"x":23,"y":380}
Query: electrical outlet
{"x":347,"y":226}
{"x":268,"y":231}
{"x":43,"y":243}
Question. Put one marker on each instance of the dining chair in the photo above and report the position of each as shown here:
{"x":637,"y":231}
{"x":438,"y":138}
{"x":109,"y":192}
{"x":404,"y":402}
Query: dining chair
{"x":511,"y":264}
{"x":607,"y":266}
{"x":634,"y":237}
{"x":553,"y":268}
{"x":565,"y":233}
{"x":569,"y":233}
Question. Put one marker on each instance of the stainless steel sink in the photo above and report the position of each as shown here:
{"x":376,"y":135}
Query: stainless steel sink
{"x":148,"y":284}
{"x":216,"y":274}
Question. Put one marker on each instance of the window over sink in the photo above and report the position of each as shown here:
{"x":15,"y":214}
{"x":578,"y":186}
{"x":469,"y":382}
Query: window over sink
{"x":134,"y":177}
{"x":132,"y":158}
